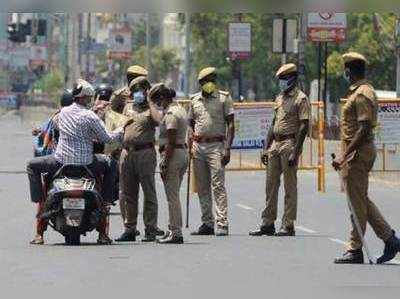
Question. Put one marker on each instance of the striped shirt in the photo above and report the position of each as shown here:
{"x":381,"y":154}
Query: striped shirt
{"x":79,"y":127}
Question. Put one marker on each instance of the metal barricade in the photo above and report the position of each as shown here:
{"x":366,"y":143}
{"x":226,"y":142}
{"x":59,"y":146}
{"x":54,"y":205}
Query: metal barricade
{"x":312,"y":158}
{"x":387,"y":135}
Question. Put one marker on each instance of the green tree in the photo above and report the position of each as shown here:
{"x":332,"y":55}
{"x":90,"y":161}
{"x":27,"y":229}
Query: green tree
{"x":50,"y":83}
{"x":163,"y":61}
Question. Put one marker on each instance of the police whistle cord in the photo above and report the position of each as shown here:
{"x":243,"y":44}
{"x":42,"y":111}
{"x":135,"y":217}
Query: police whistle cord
{"x":356,"y":222}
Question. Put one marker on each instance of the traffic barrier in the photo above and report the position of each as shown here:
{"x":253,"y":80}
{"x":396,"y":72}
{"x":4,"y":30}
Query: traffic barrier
{"x":254,"y":119}
{"x":387,"y":134}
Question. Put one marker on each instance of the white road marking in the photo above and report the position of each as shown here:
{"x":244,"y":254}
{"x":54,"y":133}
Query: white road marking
{"x":244,"y":207}
{"x":305,"y":229}
{"x":338,"y":241}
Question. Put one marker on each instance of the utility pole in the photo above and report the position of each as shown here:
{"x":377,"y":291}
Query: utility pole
{"x":148,"y":45}
{"x":239,"y":18}
{"x":301,"y":50}
{"x":398,"y":57}
{"x":187,"y":53}
{"x":88,"y":45}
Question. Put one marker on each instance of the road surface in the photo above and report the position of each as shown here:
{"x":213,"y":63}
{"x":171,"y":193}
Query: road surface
{"x":204,"y":267}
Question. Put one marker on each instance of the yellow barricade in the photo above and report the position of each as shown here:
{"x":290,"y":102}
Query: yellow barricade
{"x":250,"y":160}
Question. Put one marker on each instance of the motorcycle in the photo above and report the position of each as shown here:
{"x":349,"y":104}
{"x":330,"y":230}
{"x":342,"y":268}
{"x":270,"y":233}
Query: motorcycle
{"x":73,"y":205}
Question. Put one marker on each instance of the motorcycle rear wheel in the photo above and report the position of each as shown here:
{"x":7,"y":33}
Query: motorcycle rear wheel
{"x":73,"y":239}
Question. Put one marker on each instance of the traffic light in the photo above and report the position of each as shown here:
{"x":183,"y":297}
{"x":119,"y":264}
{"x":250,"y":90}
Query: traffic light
{"x":15,"y":34}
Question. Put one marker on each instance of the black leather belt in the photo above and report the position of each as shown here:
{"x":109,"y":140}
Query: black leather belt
{"x":280,"y":138}
{"x":139,"y":147}
{"x":181,"y":146}
{"x":208,"y":139}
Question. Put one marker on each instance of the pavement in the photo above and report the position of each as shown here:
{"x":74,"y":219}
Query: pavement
{"x":226,"y":267}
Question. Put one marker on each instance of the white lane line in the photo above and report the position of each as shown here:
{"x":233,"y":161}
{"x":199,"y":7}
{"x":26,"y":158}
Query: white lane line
{"x":338,"y":241}
{"x":244,"y":207}
{"x":305,"y":229}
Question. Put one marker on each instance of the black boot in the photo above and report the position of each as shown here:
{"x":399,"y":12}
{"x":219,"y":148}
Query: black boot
{"x":286,"y":231}
{"x":267,"y":230}
{"x":392,"y":247}
{"x":170,"y":238}
{"x":127,"y":236}
{"x":351,"y":257}
{"x":159,"y":232}
{"x":149,"y":235}
{"x":204,"y":230}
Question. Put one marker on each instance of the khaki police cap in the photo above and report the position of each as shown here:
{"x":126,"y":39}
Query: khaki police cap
{"x":206,"y":72}
{"x":353,"y":56}
{"x":286,"y":69}
{"x":139,"y":81}
{"x":156,"y":90}
{"x":137,"y":70}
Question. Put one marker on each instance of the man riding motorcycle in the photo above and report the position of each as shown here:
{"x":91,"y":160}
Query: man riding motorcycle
{"x":78,"y":127}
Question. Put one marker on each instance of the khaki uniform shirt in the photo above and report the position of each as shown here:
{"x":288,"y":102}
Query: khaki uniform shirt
{"x":209,"y":113}
{"x":119,"y":98}
{"x":361,"y":105}
{"x":290,"y":110}
{"x":175,"y":118}
{"x":113,"y":121}
{"x":140,"y":127}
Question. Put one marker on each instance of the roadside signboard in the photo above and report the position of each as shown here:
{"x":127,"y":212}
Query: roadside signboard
{"x":38,"y":55}
{"x":239,"y":40}
{"x":284,"y":36}
{"x":388,"y":129}
{"x":120,"y":44}
{"x":326,"y":27}
{"x":251,"y":126}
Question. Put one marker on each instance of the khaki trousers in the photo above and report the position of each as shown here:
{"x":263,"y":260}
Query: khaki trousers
{"x":138,"y":168}
{"x":278,"y":157}
{"x":172,"y":184}
{"x":210,"y":177}
{"x":355,"y":180}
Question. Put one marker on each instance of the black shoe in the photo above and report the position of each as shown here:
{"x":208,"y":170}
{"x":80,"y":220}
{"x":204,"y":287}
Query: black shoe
{"x":149,"y":235}
{"x":286,"y":231}
{"x":204,"y":230}
{"x":264,"y":230}
{"x":392,"y":247}
{"x":127,"y":236}
{"x":351,"y":257}
{"x":159,"y":232}
{"x":170,"y":238}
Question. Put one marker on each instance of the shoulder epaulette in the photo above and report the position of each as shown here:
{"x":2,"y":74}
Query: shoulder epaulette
{"x":367,"y":91}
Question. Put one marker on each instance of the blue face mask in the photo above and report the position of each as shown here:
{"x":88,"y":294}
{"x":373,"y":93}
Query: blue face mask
{"x":285,"y":84}
{"x":346,"y":76}
{"x":138,"y":97}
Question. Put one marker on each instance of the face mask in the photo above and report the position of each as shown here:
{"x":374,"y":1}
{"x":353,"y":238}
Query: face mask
{"x":138,"y":97}
{"x":209,"y":87}
{"x":285,"y":84}
{"x":346,"y":75}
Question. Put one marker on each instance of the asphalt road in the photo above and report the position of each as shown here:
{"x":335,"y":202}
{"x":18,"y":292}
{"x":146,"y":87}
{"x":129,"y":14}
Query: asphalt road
{"x":204,"y":267}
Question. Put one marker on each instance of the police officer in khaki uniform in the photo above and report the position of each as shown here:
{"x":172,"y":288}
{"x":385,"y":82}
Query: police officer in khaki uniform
{"x":122,"y":95}
{"x":173,"y":122}
{"x":282,"y":150}
{"x":359,"y":118}
{"x":211,"y":118}
{"x":138,"y":163}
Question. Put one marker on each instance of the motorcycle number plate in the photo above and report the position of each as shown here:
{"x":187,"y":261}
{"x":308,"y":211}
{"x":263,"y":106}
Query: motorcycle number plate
{"x":73,"y":203}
